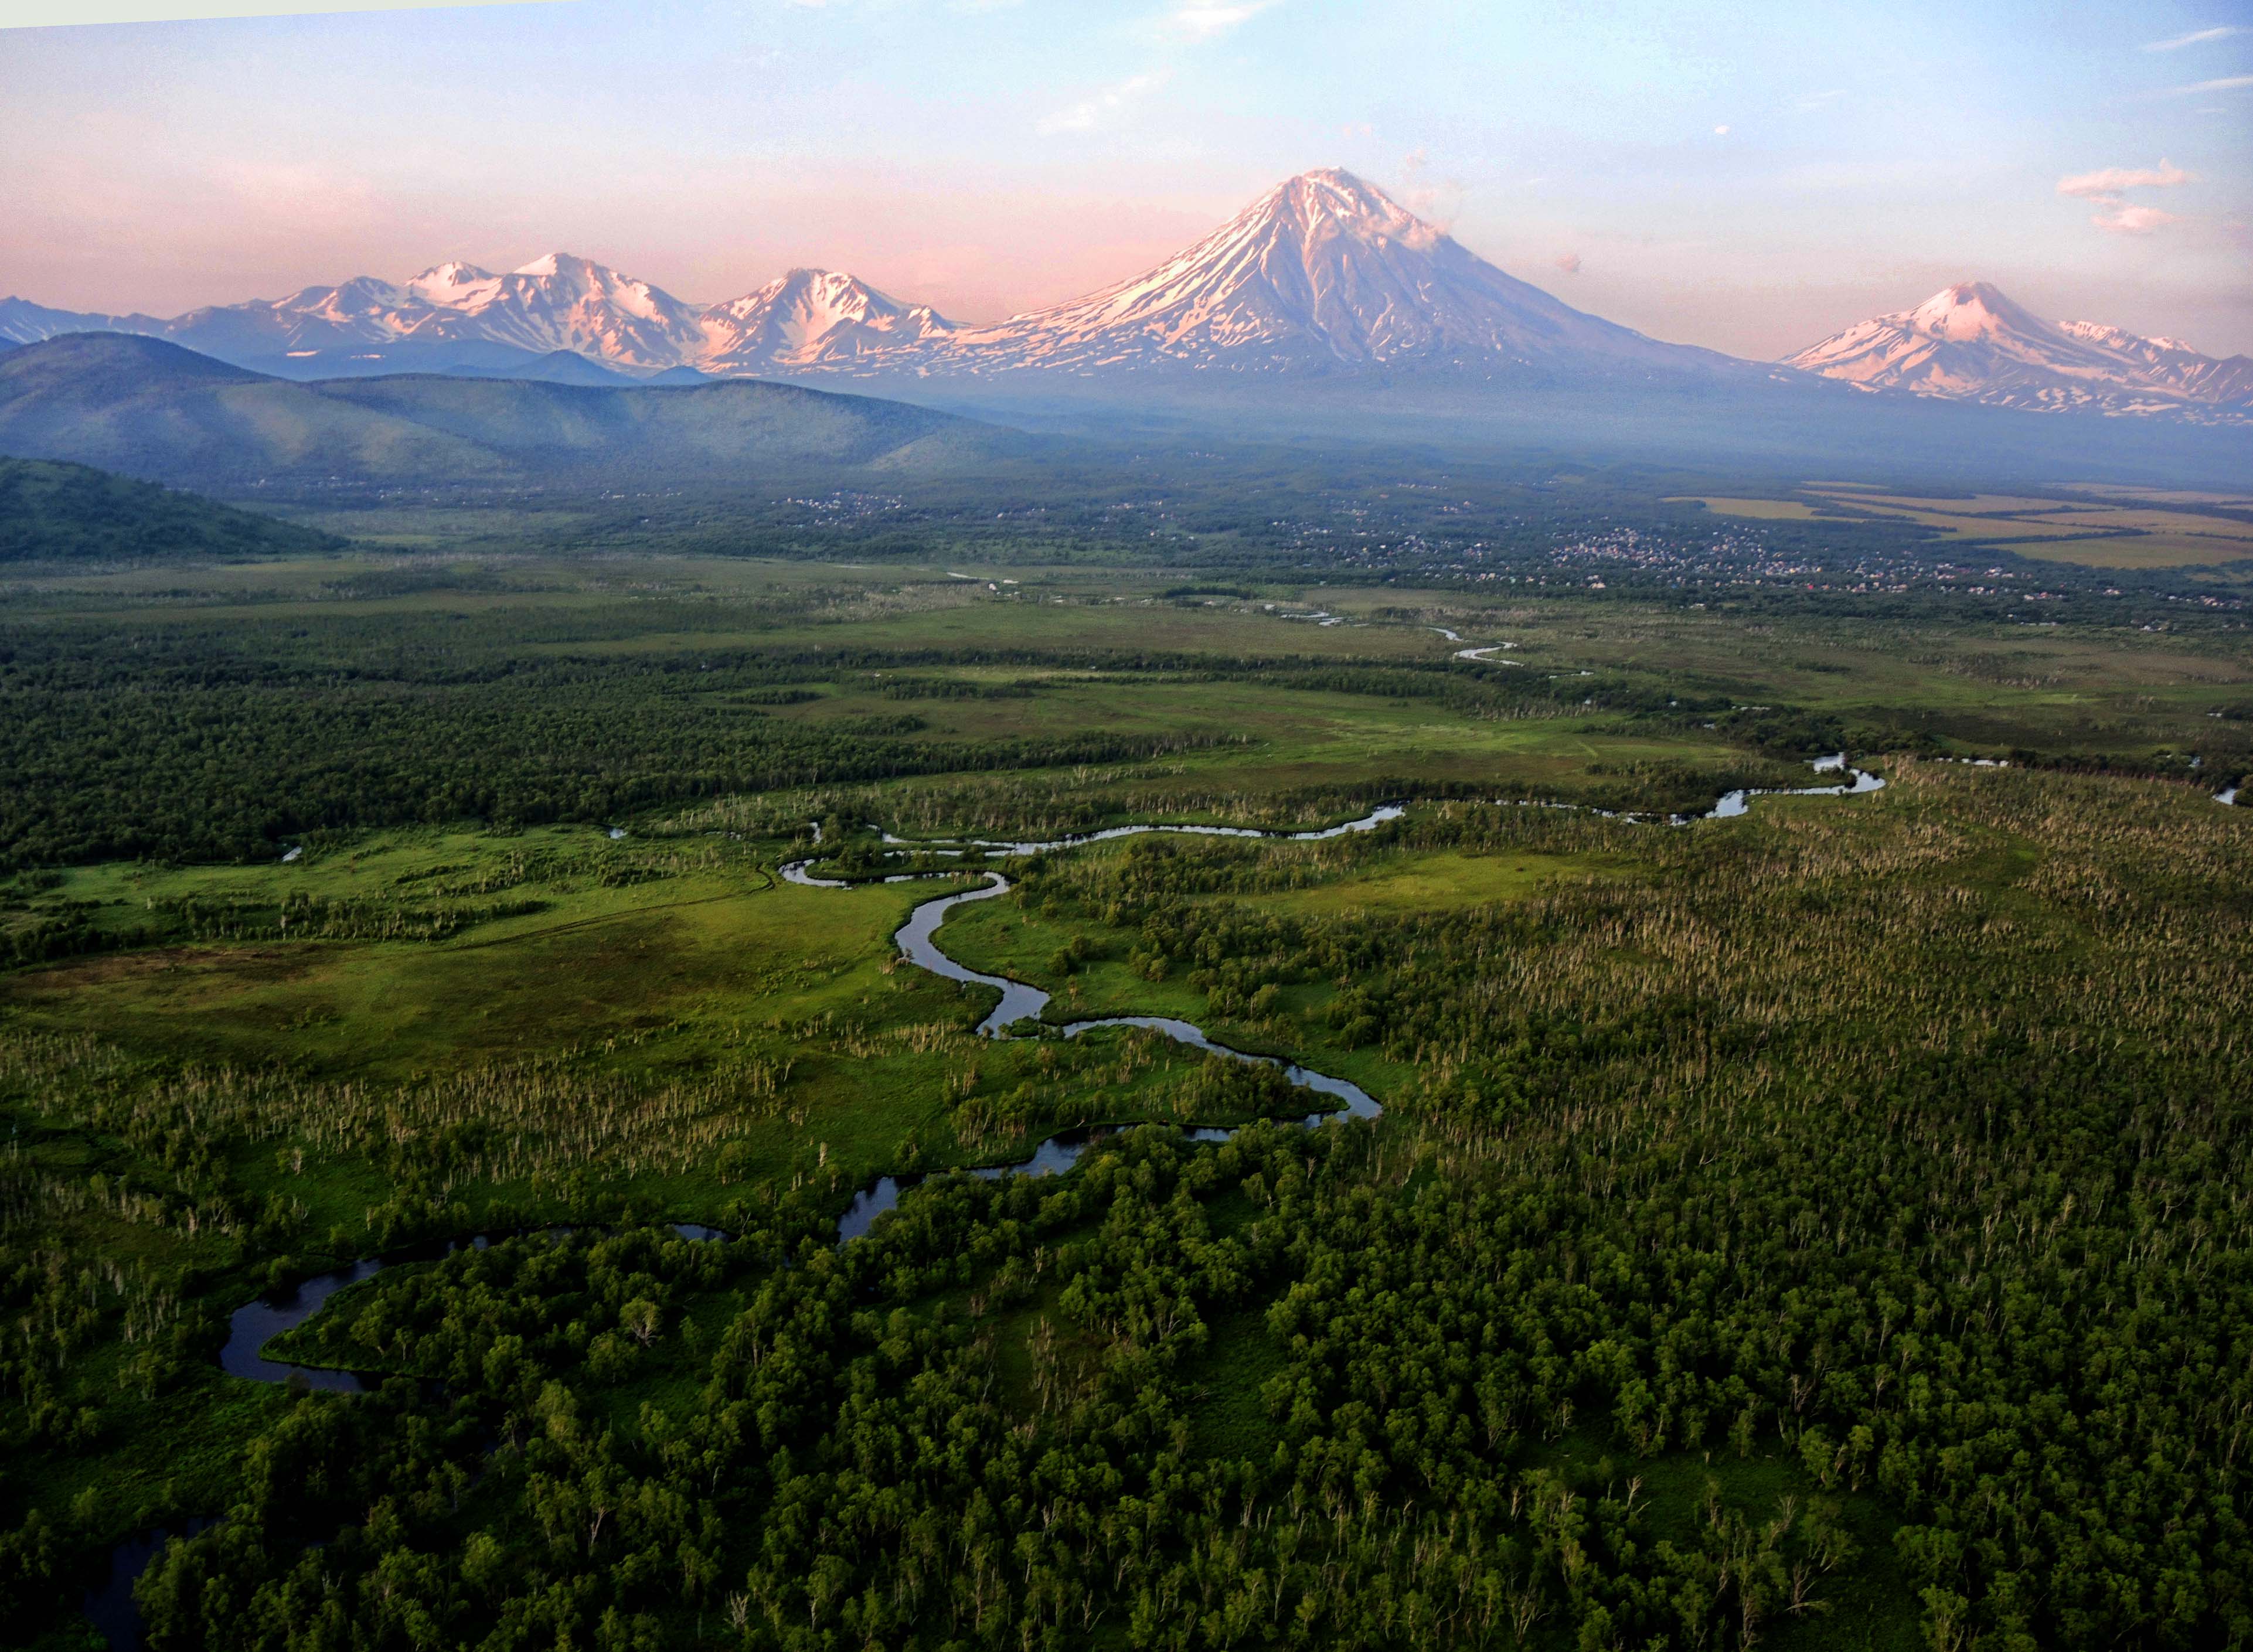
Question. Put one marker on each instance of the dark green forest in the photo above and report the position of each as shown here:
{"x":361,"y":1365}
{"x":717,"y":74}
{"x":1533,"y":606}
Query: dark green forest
{"x":69,"y":512}
{"x":1818,"y":1222}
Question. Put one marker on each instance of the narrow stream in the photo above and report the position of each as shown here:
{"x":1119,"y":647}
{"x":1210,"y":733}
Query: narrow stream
{"x":109,"y":1604}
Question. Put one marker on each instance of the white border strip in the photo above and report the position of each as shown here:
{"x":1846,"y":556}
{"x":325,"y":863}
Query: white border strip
{"x":36,"y":14}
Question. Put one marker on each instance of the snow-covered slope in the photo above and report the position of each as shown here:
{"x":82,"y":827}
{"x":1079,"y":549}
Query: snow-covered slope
{"x":1971,"y":343}
{"x":1321,"y":273}
{"x":2226,"y":379}
{"x":22,"y":322}
{"x":812,"y":318}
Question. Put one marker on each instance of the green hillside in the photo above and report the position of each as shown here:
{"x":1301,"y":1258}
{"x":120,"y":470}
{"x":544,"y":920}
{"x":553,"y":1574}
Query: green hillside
{"x":70,"y":513}
{"x":156,"y":411}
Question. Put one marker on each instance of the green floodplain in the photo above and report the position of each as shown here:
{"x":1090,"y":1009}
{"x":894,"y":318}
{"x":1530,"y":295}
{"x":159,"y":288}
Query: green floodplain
{"x":1822,"y":1226}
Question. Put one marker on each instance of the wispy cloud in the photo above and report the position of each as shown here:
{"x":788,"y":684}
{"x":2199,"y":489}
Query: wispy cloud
{"x":2107,"y":188}
{"x":1185,"y":22}
{"x":2107,"y":182}
{"x":2230,"y":83}
{"x":1810,"y":102}
{"x":2133,"y":220}
{"x":1089,"y":112}
{"x":2196,"y":37}
{"x":1199,"y":20}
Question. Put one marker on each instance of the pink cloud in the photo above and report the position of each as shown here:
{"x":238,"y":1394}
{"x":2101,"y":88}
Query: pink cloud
{"x":1569,"y":262}
{"x":2107,"y":183}
{"x":2134,"y":220}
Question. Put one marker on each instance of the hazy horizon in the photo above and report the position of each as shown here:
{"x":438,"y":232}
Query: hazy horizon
{"x":1750,"y":183}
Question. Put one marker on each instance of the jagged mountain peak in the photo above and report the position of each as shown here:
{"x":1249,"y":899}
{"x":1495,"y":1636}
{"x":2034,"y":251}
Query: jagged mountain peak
{"x":453,"y":272}
{"x":808,"y":317}
{"x":570,"y":268}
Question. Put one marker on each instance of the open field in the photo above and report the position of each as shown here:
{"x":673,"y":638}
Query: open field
{"x":2154,"y":548}
{"x":2125,"y":533}
{"x":2176,"y":497}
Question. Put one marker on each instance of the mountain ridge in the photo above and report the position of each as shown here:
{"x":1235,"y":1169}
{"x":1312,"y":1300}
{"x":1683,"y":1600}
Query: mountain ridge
{"x":151,"y":409}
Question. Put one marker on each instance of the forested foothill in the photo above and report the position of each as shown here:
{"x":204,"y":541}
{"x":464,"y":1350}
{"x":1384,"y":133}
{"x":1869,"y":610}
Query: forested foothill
{"x":1818,"y":1223}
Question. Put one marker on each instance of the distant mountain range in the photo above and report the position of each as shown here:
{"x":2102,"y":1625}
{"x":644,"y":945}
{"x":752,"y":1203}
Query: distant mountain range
{"x":1322,"y":277}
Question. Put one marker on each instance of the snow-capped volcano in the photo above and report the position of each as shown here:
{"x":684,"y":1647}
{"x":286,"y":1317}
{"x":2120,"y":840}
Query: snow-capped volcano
{"x":812,"y":318}
{"x":1971,"y":343}
{"x":1323,"y":272}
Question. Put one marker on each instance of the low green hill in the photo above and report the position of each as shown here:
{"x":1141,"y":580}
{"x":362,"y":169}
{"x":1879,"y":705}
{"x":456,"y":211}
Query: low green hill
{"x":70,"y":513}
{"x":154,"y":410}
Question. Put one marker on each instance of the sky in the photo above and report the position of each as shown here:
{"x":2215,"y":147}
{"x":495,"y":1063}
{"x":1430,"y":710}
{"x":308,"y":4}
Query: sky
{"x":1750,"y":176}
